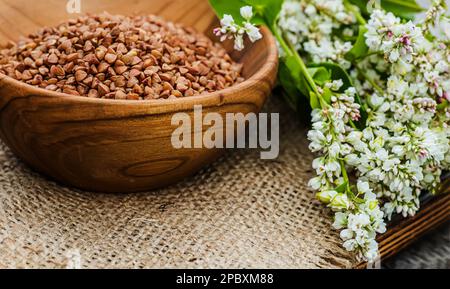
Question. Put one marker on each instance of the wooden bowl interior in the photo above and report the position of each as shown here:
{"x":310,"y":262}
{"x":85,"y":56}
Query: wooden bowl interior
{"x":20,"y":18}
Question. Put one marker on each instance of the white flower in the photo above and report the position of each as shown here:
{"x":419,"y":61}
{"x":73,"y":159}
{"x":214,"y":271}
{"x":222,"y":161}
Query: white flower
{"x":340,"y":220}
{"x":372,"y":250}
{"x":445,"y":27}
{"x":318,"y":163}
{"x":253,"y":32}
{"x":318,"y":140}
{"x":363,"y":187}
{"x":391,"y":164}
{"x":354,"y":137}
{"x":394,"y":56}
{"x":315,"y":183}
{"x":309,"y":26}
{"x":247,"y":12}
{"x":334,"y":150}
{"x":227,"y":21}
{"x":398,"y":150}
{"x":382,"y":155}
{"x":358,"y":221}
{"x":397,"y":86}
{"x":352,"y":160}
{"x":333,"y":167}
{"x":350,"y":245}
{"x":231,"y":30}
{"x":347,"y":234}
{"x":396,"y":40}
{"x":335,"y":85}
{"x":435,"y":143}
{"x":375,"y":101}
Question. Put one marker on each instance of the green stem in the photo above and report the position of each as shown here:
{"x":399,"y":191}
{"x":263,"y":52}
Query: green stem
{"x":306,"y":74}
{"x":352,"y":8}
{"x":290,"y":50}
{"x":281,"y":41}
{"x":345,"y":175}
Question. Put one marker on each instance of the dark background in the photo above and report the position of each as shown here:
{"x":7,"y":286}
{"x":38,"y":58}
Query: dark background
{"x":430,"y":252}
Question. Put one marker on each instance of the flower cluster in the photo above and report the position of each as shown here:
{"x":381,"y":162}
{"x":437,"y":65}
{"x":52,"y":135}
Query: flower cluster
{"x":436,"y":11}
{"x":357,"y":215}
{"x":345,"y":101}
{"x":327,"y":138}
{"x":411,"y":146}
{"x":361,"y":224}
{"x":404,"y":146}
{"x":396,"y":40}
{"x":383,"y":137}
{"x":309,"y":24}
{"x":231,"y":30}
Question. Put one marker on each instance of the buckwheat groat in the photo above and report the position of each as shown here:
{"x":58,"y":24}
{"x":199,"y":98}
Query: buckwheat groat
{"x":118,"y":57}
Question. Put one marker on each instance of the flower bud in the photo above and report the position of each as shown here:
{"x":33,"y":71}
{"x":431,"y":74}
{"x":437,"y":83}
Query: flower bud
{"x":326,"y":196}
{"x":340,"y":202}
{"x":373,"y":204}
{"x":247,"y":12}
{"x":315,"y":183}
{"x":375,"y":101}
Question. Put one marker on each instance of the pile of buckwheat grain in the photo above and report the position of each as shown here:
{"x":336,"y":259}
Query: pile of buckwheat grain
{"x":118,"y":57}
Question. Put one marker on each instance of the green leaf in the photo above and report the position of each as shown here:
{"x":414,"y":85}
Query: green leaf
{"x":406,"y":9}
{"x":230,"y":7}
{"x":342,"y":188}
{"x":296,"y":75}
{"x":327,"y":94}
{"x":320,"y":75}
{"x":291,"y":94}
{"x":360,"y":48}
{"x":443,"y":105}
{"x":361,"y":4}
{"x":267,"y":9}
{"x":314,"y":100}
{"x":295,"y":84}
{"x":337,"y":72}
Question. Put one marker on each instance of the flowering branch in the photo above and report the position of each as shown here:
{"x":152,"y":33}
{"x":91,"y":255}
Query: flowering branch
{"x":380,"y":104}
{"x":231,"y":30}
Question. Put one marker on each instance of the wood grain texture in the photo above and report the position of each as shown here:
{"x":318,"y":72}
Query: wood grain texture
{"x":112,"y":145}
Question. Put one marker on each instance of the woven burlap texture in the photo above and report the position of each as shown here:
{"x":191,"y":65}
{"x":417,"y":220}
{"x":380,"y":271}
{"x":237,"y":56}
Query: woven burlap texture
{"x":240,"y":212}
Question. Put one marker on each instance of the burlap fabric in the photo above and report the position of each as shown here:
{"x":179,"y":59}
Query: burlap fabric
{"x":240,"y":212}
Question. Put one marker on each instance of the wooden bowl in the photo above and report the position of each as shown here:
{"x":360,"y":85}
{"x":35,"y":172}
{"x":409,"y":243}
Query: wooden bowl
{"x":112,"y":145}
